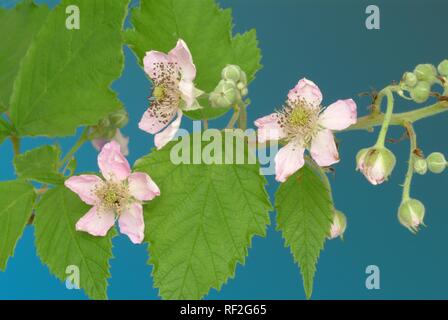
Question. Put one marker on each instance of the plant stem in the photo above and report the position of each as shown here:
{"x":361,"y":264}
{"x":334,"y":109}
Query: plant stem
{"x":410,"y":172}
{"x":234,"y":119}
{"x":387,"y":117}
{"x":243,"y":117}
{"x":15,"y":144}
{"x":370,"y":121}
{"x":83,"y":138}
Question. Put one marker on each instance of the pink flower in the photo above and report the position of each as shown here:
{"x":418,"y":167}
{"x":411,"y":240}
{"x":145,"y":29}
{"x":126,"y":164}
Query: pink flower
{"x":173,"y":77}
{"x":123,"y":141}
{"x":119,"y":195}
{"x":303,"y":124}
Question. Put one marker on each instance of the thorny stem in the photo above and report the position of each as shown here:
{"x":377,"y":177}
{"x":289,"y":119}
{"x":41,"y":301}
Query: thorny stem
{"x":413,"y":150}
{"x":398,"y":119}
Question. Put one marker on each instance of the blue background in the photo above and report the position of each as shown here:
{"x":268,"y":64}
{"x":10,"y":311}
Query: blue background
{"x":325,"y":41}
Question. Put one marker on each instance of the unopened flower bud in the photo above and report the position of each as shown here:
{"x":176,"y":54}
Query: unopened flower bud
{"x":376,"y":163}
{"x":119,"y":119}
{"x":420,"y":93}
{"x":232,"y":72}
{"x":420,"y":166}
{"x":225,"y":94}
{"x":338,"y":226}
{"x":411,"y":214}
{"x":436,"y":162}
{"x":443,"y":68}
{"x":410,"y":79}
{"x":244,"y":92}
{"x":426,"y":72}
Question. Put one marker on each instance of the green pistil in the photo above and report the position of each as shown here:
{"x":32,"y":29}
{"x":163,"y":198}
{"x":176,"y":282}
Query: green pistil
{"x":300,"y":117}
{"x":159,"y":92}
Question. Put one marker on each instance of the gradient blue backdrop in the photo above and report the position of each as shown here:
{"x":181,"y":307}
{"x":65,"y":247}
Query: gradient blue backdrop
{"x":327,"y":42}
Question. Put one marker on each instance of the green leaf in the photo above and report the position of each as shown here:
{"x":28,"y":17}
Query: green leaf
{"x":304,"y":215}
{"x":16,"y":205}
{"x":203,"y":223}
{"x":207,"y":30}
{"x":59,"y":245}
{"x":40,"y":164}
{"x":19,"y":27}
{"x":65,"y":77}
{"x":4,"y":130}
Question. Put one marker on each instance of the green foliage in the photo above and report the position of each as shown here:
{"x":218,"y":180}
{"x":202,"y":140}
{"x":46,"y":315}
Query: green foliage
{"x":65,"y":75}
{"x":4,"y":130}
{"x":18,"y":28}
{"x":16,"y":204}
{"x":304,"y":215}
{"x":40,"y":164}
{"x":59,"y":245}
{"x":202,"y":224}
{"x":207,"y":30}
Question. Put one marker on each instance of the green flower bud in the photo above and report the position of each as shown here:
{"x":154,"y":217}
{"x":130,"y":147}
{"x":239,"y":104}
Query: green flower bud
{"x":224,"y":95}
{"x":443,"y":68}
{"x":436,"y":162}
{"x":426,"y":72}
{"x":410,"y":79}
{"x":420,"y":166}
{"x":376,"y":164}
{"x":420,"y":93}
{"x":119,"y":119}
{"x":244,"y":92}
{"x":232,"y":72}
{"x":338,"y":226}
{"x":411,"y":214}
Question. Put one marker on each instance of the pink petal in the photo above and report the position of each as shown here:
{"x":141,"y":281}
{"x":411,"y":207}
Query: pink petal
{"x":288,"y":160}
{"x":323,"y":148}
{"x":84,"y":186}
{"x":188,"y":92}
{"x":112,"y":163}
{"x":182,"y":55}
{"x":150,"y":61}
{"x":96,"y":222}
{"x":269,"y":128}
{"x":142,"y":187}
{"x":132,"y":224}
{"x":162,"y":138}
{"x":306,"y":90}
{"x":339,"y":115}
{"x":152,"y":122}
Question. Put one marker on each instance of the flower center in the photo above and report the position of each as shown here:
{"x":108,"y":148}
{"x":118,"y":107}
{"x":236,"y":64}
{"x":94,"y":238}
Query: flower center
{"x":159,"y":93}
{"x":300,"y":117}
{"x":300,"y":122}
{"x":113,"y":196}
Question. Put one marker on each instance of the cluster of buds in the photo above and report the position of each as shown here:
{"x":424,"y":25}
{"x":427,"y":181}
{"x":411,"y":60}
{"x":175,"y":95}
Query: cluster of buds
{"x":231,"y":89}
{"x":435,"y":163}
{"x":108,"y":129}
{"x":419,"y":82}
